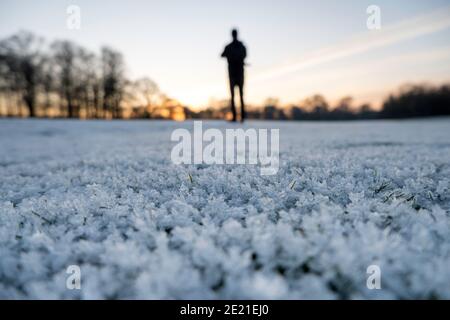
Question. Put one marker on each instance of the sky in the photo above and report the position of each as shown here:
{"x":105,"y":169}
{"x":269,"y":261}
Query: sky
{"x":296,"y":48}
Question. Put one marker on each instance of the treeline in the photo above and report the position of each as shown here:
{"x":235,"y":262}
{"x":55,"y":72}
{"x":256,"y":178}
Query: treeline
{"x":411,"y":101}
{"x":312,"y":108}
{"x":418,"y":101}
{"x":64,"y":79}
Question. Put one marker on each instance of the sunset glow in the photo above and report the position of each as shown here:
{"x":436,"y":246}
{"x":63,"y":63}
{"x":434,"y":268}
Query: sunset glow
{"x":305,"y":49}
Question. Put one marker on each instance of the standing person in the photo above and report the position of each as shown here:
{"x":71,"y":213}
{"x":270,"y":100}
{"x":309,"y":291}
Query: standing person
{"x":235,"y":53}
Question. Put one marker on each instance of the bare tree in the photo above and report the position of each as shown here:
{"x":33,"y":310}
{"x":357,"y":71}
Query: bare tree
{"x":316,"y":103}
{"x":145,"y":92}
{"x":6,"y":90}
{"x":345,"y":104}
{"x":64,"y":55}
{"x":113,"y":81}
{"x":48,"y":82}
{"x":71,"y":72}
{"x":88,"y":83}
{"x":22,"y":59}
{"x":92,"y":80}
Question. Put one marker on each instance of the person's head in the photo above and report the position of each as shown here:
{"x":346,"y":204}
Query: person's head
{"x":234,"y":34}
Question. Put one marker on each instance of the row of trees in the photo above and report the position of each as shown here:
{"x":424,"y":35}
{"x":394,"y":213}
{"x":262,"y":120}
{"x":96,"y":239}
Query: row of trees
{"x":410,"y":101}
{"x":418,"y":101}
{"x":66,"y":80}
{"x":315,"y":107}
{"x":63,"y":79}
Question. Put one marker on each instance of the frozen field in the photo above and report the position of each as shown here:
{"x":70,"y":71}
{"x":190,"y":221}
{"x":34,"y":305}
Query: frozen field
{"x":105,"y":196}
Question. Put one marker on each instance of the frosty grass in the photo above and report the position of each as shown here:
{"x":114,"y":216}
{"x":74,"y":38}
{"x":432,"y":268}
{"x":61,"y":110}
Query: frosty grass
{"x":105,"y":196}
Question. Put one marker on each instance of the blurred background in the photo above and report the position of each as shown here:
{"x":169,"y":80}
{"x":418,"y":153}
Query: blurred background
{"x":307,"y":60}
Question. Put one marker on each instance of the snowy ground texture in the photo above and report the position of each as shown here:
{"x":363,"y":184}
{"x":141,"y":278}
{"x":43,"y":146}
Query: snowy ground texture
{"x":105,"y":196}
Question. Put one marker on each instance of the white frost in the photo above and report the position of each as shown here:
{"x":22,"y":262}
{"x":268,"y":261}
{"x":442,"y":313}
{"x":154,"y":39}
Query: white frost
{"x":105,"y":196}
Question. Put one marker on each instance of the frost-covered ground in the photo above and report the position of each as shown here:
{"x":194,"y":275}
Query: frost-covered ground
{"x":105,"y":196}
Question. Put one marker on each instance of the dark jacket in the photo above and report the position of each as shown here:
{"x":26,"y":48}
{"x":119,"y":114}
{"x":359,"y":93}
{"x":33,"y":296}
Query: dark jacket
{"x":235,"y":53}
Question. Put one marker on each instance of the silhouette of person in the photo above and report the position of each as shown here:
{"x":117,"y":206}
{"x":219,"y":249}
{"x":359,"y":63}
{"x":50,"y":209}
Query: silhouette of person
{"x":235,"y":53}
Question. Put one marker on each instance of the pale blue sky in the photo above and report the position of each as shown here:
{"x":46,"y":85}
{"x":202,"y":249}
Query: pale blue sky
{"x":296,"y":48}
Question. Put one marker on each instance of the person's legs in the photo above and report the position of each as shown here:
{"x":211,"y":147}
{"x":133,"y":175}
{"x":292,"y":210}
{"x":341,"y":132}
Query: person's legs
{"x":241,"y":96}
{"x":233,"y":106}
